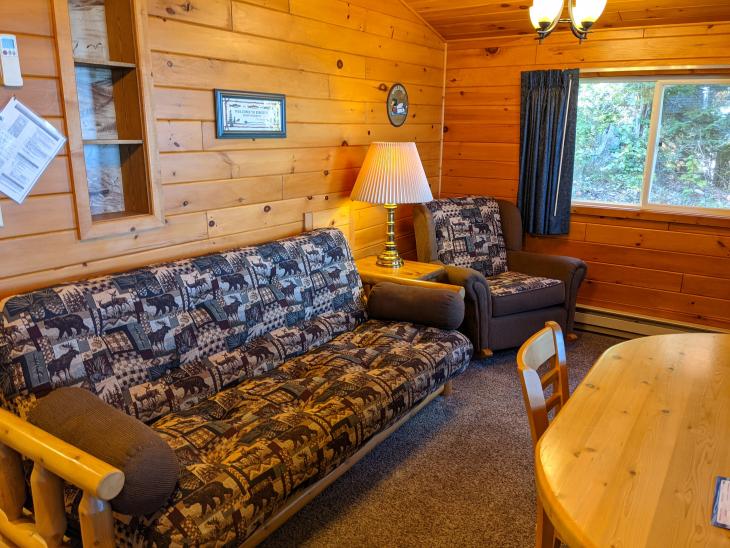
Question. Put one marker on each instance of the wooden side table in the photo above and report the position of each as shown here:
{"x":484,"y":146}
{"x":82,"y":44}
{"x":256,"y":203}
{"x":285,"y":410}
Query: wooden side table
{"x":411,"y":273}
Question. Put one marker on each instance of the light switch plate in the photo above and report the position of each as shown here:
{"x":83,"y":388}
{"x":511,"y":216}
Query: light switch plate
{"x":1,"y":218}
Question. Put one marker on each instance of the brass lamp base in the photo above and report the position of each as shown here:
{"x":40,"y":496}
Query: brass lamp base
{"x":390,"y":257}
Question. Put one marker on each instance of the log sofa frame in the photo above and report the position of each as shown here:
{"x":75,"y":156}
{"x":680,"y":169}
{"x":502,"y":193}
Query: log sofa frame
{"x":55,"y":461}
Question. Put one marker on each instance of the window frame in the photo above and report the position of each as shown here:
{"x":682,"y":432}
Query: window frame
{"x":651,"y":151}
{"x":89,"y":228}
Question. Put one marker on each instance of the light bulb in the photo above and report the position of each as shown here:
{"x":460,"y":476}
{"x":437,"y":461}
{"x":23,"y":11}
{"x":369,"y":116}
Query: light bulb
{"x":544,"y":12}
{"x":587,"y":12}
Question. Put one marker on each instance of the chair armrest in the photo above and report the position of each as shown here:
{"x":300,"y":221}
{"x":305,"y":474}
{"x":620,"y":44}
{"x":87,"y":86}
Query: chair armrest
{"x":567,"y":269}
{"x":468,"y":278}
{"x":77,"y":467}
{"x":477,"y":300}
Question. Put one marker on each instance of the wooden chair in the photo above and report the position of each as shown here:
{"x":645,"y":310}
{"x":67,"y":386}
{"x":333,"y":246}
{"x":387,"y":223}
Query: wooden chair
{"x":545,"y":345}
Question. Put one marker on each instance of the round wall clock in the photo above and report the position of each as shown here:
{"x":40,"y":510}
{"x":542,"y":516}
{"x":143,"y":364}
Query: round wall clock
{"x":397,"y":105}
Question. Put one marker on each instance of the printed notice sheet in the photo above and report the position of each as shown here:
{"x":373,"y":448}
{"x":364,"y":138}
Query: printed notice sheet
{"x":721,"y":508}
{"x":27,"y":145}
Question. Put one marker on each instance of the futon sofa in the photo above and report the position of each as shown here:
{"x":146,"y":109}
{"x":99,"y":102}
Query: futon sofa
{"x":258,"y":367}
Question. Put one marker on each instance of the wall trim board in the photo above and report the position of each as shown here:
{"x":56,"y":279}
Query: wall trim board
{"x":622,"y":324}
{"x":443,"y":118}
{"x":690,"y":69}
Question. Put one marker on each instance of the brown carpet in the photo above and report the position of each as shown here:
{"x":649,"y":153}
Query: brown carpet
{"x":460,"y":473}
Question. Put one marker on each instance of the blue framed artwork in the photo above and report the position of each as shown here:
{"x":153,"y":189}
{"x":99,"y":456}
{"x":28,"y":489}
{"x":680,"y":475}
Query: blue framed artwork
{"x":249,"y":115}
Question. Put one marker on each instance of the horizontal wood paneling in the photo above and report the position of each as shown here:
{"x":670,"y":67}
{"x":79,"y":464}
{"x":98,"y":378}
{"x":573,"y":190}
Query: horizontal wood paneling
{"x":459,"y":19}
{"x":27,"y":17}
{"x":675,"y":267}
{"x":334,"y":59}
{"x":40,"y":94}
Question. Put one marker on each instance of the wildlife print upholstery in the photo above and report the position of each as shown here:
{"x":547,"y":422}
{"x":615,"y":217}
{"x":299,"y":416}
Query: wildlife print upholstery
{"x":257,"y":366}
{"x":245,"y":450}
{"x":163,"y":337}
{"x":469,"y":233}
{"x":512,"y":283}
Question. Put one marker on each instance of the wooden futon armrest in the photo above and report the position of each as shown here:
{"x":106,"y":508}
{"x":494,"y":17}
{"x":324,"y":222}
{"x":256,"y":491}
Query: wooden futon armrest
{"x":54,"y":461}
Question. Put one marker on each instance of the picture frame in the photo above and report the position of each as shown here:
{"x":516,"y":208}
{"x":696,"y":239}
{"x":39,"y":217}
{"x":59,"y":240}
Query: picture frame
{"x":249,"y":115}
{"x":397,"y":105}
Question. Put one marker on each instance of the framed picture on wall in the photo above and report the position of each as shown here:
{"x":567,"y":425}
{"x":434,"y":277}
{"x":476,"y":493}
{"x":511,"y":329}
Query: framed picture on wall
{"x":248,"y":115}
{"x":397,"y":105}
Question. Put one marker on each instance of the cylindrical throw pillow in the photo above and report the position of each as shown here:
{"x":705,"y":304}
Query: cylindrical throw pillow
{"x":150,"y":466}
{"x":422,"y":305}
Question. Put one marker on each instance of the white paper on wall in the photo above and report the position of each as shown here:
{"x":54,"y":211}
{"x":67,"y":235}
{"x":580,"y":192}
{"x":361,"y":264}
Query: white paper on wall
{"x":28,"y":143}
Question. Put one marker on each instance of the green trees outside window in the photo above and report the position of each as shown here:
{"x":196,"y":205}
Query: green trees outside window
{"x":662,"y":143}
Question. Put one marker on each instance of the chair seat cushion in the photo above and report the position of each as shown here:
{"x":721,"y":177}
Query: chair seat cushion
{"x":514,"y":292}
{"x":246,"y":449}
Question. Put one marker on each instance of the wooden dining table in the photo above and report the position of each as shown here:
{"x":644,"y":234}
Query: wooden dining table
{"x":632,"y":459}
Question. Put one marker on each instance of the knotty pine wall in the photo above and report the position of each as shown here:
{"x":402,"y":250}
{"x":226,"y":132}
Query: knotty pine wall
{"x":333,"y":59}
{"x":657,"y":265}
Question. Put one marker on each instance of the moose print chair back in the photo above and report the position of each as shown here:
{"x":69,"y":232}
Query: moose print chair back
{"x":510,"y":293}
{"x":162,"y":338}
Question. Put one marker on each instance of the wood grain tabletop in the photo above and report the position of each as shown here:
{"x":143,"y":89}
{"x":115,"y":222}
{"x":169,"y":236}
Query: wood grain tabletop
{"x":631,"y":460}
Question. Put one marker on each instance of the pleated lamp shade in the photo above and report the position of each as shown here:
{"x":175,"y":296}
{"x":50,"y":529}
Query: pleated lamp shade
{"x":392,"y":173}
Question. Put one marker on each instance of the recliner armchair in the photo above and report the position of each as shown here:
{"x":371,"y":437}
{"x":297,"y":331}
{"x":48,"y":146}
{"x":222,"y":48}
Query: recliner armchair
{"x":510,"y":293}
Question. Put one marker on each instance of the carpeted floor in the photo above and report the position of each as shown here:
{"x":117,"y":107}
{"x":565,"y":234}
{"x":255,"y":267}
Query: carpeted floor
{"x":460,"y":473}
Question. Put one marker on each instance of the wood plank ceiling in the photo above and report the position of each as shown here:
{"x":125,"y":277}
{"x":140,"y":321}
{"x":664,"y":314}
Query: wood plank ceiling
{"x":455,"y":19}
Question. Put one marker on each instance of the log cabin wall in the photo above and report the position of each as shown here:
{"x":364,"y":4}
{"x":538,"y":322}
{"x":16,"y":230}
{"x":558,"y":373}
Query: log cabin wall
{"x":333,"y":59}
{"x":665,"y":266}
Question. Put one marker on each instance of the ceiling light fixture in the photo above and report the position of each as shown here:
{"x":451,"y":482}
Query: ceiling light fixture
{"x":545,"y":16}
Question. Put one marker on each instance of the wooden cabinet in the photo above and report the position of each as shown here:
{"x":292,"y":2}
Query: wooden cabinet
{"x":102,"y":59}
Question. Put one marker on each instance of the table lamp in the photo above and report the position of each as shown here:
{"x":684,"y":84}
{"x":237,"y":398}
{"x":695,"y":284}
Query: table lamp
{"x":391,"y":174}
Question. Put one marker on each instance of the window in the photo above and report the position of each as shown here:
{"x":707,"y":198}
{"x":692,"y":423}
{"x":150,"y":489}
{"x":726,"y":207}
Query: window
{"x":656,"y":144}
{"x":108,"y":120}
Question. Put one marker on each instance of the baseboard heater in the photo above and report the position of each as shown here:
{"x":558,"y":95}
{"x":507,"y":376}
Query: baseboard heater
{"x":630,"y":326}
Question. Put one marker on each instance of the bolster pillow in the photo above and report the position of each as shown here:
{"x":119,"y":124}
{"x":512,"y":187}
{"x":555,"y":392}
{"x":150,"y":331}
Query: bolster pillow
{"x":422,"y":305}
{"x":85,"y":421}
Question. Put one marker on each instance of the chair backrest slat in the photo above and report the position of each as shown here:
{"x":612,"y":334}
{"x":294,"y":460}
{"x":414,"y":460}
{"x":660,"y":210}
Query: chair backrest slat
{"x":545,"y":345}
{"x":552,"y":401}
{"x":549,"y":378}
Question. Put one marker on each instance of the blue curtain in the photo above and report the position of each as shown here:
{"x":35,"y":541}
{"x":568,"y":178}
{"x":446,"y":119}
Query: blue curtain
{"x":547,"y":149}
